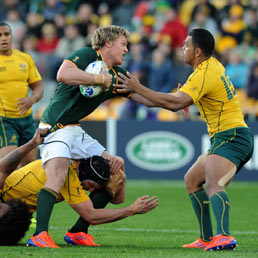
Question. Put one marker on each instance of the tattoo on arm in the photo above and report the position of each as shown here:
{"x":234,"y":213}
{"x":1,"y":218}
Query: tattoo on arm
{"x":13,"y":160}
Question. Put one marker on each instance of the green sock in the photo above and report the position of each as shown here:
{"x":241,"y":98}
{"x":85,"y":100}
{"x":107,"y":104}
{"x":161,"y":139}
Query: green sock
{"x":100,"y":198}
{"x":200,"y":202}
{"x":221,"y":205}
{"x":45,"y":203}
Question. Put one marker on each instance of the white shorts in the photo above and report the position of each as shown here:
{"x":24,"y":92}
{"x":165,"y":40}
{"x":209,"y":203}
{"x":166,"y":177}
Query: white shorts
{"x":70,"y":142}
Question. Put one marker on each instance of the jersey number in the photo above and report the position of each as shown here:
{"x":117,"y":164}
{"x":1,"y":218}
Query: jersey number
{"x":228,"y":86}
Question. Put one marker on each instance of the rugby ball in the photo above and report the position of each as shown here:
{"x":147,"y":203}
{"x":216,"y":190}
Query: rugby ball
{"x":90,"y":91}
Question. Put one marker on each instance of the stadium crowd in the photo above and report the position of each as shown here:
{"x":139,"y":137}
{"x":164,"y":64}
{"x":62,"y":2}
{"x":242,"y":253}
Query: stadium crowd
{"x":51,"y":29}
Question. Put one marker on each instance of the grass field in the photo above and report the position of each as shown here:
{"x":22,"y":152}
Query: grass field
{"x":160,"y":233}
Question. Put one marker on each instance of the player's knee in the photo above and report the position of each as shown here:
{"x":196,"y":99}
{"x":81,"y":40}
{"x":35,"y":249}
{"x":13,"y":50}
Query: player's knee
{"x":188,"y":182}
{"x":192,"y":183}
{"x":212,"y":187}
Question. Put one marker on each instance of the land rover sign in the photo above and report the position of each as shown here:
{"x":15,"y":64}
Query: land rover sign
{"x":159,"y":151}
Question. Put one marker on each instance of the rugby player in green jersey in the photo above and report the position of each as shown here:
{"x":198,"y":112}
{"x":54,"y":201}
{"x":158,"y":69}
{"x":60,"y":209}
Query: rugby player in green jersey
{"x":67,"y":140}
{"x":210,"y":88}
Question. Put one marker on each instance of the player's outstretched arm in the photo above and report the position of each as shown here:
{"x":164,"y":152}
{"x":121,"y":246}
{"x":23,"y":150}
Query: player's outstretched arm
{"x":10,"y":162}
{"x":142,"y":205}
{"x":170,"y":101}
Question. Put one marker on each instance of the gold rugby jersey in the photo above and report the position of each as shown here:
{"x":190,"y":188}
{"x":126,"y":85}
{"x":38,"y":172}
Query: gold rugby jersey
{"x":214,"y":94}
{"x":25,"y":183}
{"x":17,"y":71}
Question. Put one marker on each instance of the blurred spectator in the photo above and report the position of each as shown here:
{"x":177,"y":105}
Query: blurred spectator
{"x":49,"y":39}
{"x":71,"y":6}
{"x":246,"y":52}
{"x":105,"y":17}
{"x":232,"y":29}
{"x":46,"y":46}
{"x":252,"y":84}
{"x":33,"y":23}
{"x":52,"y":8}
{"x":201,"y":19}
{"x":251,"y":31}
{"x":253,"y":4}
{"x":18,"y":27}
{"x":234,"y":26}
{"x":173,"y":29}
{"x":224,"y":11}
{"x":84,"y":14}
{"x":122,"y":15}
{"x":206,"y":5}
{"x":90,"y":30}
{"x":18,"y":5}
{"x":29,"y":45}
{"x":161,"y":73}
{"x":160,"y":78}
{"x":236,"y":69}
{"x":70,"y":42}
{"x":137,"y":59}
{"x":60,"y":23}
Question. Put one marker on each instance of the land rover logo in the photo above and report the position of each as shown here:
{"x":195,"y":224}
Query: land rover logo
{"x":159,"y":151}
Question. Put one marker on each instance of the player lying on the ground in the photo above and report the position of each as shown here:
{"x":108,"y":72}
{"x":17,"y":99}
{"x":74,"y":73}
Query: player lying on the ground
{"x":21,"y":188}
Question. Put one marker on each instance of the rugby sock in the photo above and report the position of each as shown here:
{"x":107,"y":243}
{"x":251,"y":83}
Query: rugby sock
{"x":45,"y":203}
{"x":221,"y":206}
{"x":200,"y":202}
{"x":100,"y":198}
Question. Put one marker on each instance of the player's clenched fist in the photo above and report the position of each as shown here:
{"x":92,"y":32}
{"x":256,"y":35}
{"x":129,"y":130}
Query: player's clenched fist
{"x":145,"y":204}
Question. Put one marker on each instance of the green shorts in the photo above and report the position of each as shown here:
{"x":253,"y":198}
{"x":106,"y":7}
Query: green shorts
{"x":235,"y":144}
{"x":16,"y":131}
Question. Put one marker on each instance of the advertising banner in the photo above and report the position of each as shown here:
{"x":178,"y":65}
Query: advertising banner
{"x":166,"y":150}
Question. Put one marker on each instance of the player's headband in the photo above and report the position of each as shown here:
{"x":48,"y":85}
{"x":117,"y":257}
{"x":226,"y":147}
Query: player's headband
{"x":95,"y":169}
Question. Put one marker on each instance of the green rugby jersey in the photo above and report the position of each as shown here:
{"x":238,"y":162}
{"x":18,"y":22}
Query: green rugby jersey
{"x":68,"y":106}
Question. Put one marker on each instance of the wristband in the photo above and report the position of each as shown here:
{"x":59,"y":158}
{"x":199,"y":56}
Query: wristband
{"x":99,"y":79}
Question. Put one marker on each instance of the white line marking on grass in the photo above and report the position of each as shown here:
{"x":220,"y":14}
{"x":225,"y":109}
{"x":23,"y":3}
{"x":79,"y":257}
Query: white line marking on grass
{"x":154,"y":230}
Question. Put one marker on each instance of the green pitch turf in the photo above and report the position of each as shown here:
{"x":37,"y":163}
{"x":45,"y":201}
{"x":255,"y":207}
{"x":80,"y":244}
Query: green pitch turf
{"x":160,"y":233}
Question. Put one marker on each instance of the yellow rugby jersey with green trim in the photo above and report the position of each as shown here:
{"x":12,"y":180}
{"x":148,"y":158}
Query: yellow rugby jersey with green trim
{"x":214,"y":94}
{"x":17,"y":71}
{"x":25,"y":183}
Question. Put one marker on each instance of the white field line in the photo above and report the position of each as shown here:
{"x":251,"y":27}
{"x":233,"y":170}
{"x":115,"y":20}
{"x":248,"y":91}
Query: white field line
{"x":154,"y":230}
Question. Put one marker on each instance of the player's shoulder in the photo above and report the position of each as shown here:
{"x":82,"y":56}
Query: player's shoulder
{"x":84,"y":51}
{"x":21,"y":54}
{"x":83,"y":56}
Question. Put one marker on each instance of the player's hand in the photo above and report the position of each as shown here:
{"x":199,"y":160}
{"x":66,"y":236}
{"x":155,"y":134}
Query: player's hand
{"x":127,"y":84}
{"x":145,"y":204}
{"x":38,"y":137}
{"x":184,"y":111}
{"x":115,"y":163}
{"x":107,"y":78}
{"x":24,"y":104}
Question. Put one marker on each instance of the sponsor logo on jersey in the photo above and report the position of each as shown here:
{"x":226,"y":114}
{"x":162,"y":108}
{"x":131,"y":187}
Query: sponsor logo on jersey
{"x":76,"y":59}
{"x":23,"y":67}
{"x":13,"y":139}
{"x":3,"y":69}
{"x":160,"y":151}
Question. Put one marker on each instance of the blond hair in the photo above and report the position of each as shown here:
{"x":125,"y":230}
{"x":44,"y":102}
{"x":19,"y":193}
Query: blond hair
{"x":107,"y":34}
